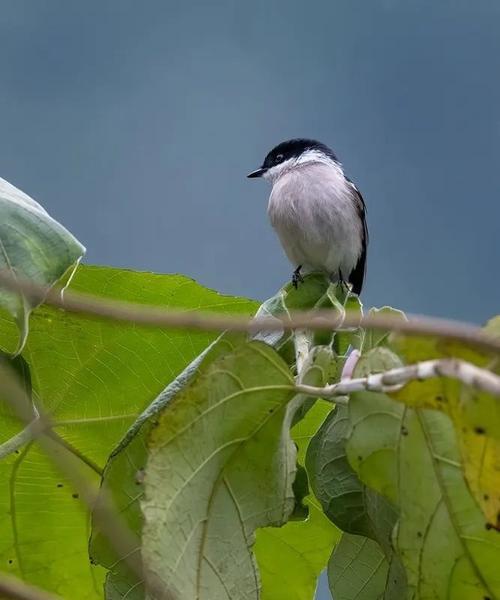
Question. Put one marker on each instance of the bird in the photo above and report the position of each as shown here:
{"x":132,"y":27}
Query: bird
{"x":317,"y":212}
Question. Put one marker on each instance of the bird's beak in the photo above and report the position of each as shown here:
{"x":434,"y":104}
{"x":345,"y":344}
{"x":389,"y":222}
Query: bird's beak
{"x":257,"y":173}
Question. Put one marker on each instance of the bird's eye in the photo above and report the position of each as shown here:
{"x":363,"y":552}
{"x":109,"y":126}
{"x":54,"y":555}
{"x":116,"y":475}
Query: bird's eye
{"x":279,"y":158}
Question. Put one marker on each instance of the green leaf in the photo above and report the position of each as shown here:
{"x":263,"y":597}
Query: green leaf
{"x":289,"y":298}
{"x":274,"y":547}
{"x":357,"y":510}
{"x":412,"y":456}
{"x":311,"y":291}
{"x":475,"y":415}
{"x":357,"y":569}
{"x":291,"y":557}
{"x":33,"y":246}
{"x":130,"y":457}
{"x":477,"y":425}
{"x":94,"y":378}
{"x":124,"y":474}
{"x":316,"y":291}
{"x":374,"y":338}
{"x":11,"y":438}
{"x":442,"y":535}
{"x":345,"y":339}
{"x":344,"y":498}
{"x":493,"y":326}
{"x":376,"y":427}
{"x":221,"y":463}
{"x":307,"y":295}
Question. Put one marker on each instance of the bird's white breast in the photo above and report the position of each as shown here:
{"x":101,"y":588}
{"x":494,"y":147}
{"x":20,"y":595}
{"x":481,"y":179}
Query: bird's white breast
{"x":313,"y":209}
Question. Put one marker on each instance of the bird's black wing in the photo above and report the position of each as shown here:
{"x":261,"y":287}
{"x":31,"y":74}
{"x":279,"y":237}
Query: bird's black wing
{"x":357,"y":275}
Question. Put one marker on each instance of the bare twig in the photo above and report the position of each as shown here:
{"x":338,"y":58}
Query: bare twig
{"x":15,"y":589}
{"x":394,"y":379}
{"x":319,"y":320}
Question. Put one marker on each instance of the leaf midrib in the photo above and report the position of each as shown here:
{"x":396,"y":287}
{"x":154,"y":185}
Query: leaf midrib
{"x":222,"y":474}
{"x":446,"y":501}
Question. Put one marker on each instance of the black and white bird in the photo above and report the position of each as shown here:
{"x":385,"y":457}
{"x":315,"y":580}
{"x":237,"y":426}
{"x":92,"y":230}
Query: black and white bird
{"x":317,"y":212}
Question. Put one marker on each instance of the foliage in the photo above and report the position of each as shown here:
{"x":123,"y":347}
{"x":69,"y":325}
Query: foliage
{"x":94,"y":378}
{"x":235,"y":485}
{"x":33,"y":246}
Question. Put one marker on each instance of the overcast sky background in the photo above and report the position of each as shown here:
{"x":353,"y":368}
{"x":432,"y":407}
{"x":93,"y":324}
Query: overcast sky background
{"x":135,"y":123}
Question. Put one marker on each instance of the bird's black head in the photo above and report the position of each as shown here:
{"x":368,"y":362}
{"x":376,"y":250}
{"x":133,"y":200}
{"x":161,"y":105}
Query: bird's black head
{"x":291,"y":149}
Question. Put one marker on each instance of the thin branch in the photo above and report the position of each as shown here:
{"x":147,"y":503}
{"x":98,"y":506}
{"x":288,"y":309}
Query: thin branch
{"x":319,"y":320}
{"x":15,"y":589}
{"x":394,"y":379}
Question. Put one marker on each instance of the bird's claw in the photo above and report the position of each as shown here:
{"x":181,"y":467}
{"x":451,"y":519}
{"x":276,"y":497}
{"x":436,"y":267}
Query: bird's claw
{"x":297,"y":277}
{"x":345,"y":285}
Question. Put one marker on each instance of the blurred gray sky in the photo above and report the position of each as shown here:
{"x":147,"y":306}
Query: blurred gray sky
{"x":135,"y":124}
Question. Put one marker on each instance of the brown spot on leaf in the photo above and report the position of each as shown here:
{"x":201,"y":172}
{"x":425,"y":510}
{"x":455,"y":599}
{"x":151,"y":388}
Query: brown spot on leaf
{"x":404,"y":430}
{"x":479,"y":430}
{"x":75,"y":495}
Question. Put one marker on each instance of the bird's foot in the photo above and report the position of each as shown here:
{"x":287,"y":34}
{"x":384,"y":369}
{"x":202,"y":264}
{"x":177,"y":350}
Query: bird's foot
{"x":346,"y":286}
{"x":297,"y":277}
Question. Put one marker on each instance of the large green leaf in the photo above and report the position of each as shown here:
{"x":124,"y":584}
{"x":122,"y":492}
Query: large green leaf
{"x":373,"y":442}
{"x":120,"y":475}
{"x":359,"y":567}
{"x":121,"y":480}
{"x":344,"y":498}
{"x":33,"y":246}
{"x":94,"y":378}
{"x":412,"y":456}
{"x":291,"y":557}
{"x":475,"y":415}
{"x":124,"y":474}
{"x":220,"y":464}
{"x":356,"y":510}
